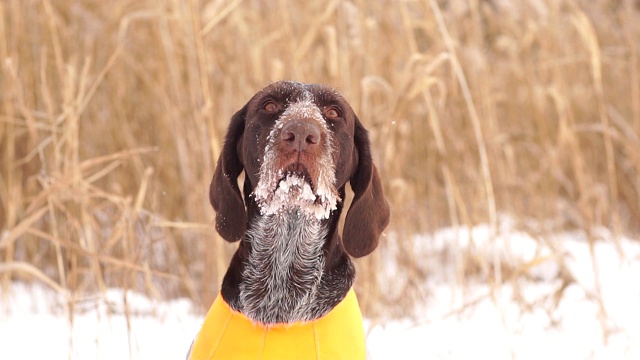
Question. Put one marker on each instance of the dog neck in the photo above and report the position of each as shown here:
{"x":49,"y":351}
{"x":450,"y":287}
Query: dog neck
{"x":284,"y":269}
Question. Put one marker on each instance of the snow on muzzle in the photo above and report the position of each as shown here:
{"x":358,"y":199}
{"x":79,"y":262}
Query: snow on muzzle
{"x":280,"y":189}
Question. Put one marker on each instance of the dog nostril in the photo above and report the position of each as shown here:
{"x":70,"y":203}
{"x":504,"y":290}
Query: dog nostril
{"x":312,"y":139}
{"x":289,"y":136}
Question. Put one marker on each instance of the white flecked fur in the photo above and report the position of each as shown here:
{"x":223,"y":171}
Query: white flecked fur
{"x":277,"y":191}
{"x":284,"y":269}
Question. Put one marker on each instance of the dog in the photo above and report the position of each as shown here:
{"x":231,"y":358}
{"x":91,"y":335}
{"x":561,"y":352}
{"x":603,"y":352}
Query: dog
{"x":288,"y":290}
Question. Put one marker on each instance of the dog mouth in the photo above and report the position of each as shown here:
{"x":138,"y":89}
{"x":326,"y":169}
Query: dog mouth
{"x":294,"y":188}
{"x":296,"y":171}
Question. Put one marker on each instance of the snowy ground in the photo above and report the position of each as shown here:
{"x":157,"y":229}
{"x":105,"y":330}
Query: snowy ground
{"x":479,"y":323}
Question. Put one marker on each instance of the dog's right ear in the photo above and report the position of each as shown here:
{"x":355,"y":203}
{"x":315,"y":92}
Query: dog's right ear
{"x":224,"y":193}
{"x":369,"y":212}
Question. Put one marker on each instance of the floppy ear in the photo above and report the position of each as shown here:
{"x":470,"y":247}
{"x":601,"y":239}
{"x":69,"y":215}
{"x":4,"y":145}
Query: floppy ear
{"x":224,"y":193}
{"x":369,"y":212}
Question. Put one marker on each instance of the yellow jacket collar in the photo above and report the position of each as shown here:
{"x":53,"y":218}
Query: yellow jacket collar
{"x":227,"y":334}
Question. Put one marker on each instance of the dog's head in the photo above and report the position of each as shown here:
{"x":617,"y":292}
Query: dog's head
{"x":299,"y":144}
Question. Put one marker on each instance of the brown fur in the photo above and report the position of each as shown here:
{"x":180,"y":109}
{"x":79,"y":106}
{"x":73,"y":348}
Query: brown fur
{"x":244,"y":150}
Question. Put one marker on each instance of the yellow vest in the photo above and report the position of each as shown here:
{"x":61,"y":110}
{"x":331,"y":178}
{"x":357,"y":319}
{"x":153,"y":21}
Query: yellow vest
{"x":229,"y":335}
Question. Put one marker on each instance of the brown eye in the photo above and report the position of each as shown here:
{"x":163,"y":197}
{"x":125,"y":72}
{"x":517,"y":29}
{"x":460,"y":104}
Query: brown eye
{"x":270,"y":106}
{"x":332,"y":113}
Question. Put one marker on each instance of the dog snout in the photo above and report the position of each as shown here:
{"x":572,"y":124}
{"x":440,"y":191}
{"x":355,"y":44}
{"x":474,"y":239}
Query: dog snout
{"x":300,"y":135}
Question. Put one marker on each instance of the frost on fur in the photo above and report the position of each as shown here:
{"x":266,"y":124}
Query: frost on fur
{"x":294,"y":192}
{"x":278,"y":191}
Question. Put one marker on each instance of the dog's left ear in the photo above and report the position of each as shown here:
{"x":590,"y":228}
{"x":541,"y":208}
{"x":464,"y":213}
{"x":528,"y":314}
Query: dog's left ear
{"x":224,"y":193}
{"x":369,"y":212}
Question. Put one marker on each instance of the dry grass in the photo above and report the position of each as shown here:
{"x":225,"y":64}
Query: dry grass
{"x":111,"y":116}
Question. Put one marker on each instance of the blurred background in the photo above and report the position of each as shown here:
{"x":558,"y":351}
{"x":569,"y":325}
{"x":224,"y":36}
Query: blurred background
{"x":479,"y":112}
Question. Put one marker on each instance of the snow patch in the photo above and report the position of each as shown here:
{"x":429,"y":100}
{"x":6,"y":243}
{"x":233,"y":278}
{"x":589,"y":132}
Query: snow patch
{"x":518,"y":320}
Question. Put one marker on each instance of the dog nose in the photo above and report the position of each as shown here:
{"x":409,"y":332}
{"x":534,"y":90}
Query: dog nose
{"x":299,"y":135}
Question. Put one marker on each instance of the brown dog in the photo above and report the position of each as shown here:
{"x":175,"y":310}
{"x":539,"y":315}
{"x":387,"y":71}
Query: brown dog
{"x":299,"y":145}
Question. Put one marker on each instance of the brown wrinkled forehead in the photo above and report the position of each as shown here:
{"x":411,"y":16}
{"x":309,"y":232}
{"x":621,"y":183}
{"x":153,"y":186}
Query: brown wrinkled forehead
{"x":293,"y":91}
